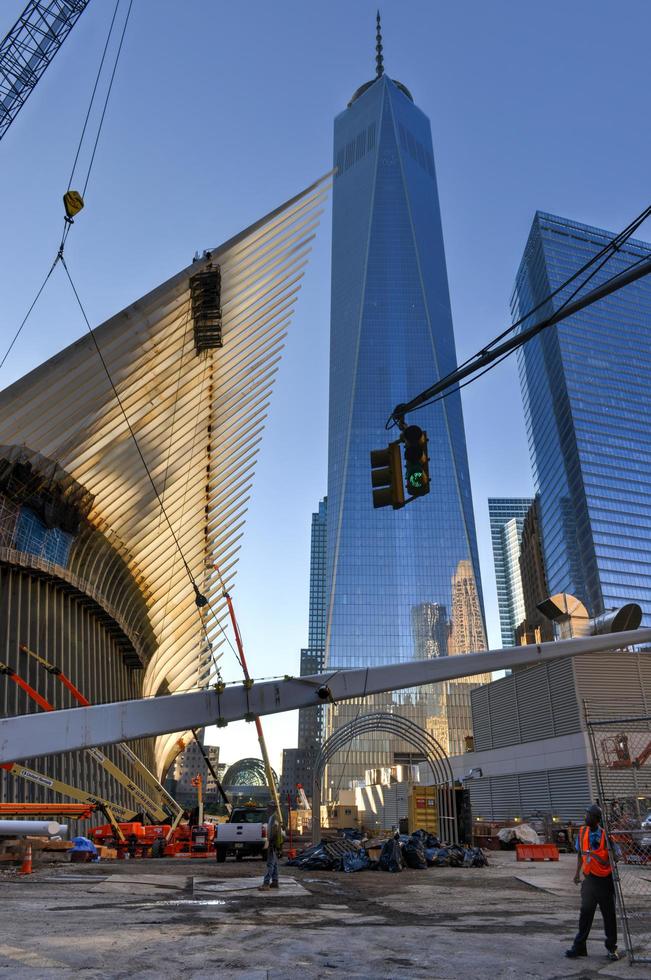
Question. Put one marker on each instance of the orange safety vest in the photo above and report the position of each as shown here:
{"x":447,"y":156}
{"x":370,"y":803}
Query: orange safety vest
{"x":595,"y":862}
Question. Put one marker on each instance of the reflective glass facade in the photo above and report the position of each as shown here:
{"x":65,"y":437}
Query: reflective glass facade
{"x":391,"y":574}
{"x":586,"y":388}
{"x":507,"y":516}
{"x":318,"y":589}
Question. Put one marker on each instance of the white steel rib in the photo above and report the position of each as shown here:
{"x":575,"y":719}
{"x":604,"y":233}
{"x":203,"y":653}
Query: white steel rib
{"x":190,"y":415}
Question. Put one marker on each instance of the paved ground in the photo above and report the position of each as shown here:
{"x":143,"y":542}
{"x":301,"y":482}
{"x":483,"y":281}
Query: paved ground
{"x":149,"y":920}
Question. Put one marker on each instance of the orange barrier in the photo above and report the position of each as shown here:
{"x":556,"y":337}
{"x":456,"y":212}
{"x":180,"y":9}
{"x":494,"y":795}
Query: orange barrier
{"x":536,"y":852}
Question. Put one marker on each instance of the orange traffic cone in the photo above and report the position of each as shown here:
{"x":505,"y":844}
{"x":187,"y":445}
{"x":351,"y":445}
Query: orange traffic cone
{"x":26,"y":867}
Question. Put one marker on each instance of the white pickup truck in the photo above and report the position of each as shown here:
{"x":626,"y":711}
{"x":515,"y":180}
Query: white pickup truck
{"x":245,"y":833}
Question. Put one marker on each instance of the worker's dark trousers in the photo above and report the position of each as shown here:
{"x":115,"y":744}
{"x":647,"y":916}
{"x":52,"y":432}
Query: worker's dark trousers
{"x":597,"y":891}
{"x":272,"y":865}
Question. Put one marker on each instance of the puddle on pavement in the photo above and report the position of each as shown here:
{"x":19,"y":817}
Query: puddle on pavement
{"x":178,"y":901}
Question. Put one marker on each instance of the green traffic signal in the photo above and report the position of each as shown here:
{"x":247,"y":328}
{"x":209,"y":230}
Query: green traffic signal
{"x":416,"y":460}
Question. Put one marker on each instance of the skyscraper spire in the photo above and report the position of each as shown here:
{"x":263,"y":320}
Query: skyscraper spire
{"x":379,"y":61}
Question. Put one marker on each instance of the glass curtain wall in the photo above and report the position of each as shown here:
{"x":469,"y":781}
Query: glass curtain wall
{"x":587,"y":397}
{"x":392,"y":575}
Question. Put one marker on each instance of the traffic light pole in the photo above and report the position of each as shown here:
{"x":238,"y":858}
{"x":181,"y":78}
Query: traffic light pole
{"x":487,"y":357}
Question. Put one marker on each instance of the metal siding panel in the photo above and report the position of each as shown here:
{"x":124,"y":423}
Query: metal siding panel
{"x":565,"y":704}
{"x":570,"y":792}
{"x":534,"y":793}
{"x":533,"y":702}
{"x":480,"y":798}
{"x":481,"y":718}
{"x":503,"y":711}
{"x":505,"y":795}
{"x":612,"y":684}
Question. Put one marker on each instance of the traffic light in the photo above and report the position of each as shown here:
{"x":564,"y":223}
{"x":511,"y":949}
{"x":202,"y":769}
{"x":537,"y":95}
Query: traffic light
{"x":416,"y":461}
{"x":386,"y":476}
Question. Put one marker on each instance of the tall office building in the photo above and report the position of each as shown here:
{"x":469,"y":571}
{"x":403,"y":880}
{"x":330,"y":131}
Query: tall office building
{"x":298,"y":763}
{"x":535,"y":627}
{"x":507,"y":515}
{"x":586,"y":392}
{"x":390,"y":572}
{"x":190,"y":764}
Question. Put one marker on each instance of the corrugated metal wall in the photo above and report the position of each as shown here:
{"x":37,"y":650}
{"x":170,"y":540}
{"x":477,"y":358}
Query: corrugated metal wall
{"x":546,"y":701}
{"x":60,"y":626}
{"x":526,"y":706}
{"x":561,"y":792}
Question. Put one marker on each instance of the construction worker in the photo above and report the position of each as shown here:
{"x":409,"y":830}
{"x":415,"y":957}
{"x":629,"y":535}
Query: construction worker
{"x":598,"y":888}
{"x":275,"y":837}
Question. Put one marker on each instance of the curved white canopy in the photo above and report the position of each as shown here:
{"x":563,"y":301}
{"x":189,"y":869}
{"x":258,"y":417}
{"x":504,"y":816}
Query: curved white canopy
{"x":191,"y":415}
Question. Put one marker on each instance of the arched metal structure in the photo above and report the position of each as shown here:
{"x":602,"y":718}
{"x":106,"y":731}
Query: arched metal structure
{"x":414,"y":735}
{"x":247,"y":772}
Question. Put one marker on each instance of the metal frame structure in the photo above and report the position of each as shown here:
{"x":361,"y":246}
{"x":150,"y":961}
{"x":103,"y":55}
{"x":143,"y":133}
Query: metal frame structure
{"x":632,"y":884}
{"x":28,"y":49}
{"x":408,"y":731}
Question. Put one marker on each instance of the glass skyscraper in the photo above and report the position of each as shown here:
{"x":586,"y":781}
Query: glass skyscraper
{"x":311,"y":720}
{"x":391,"y":574}
{"x":507,"y":516}
{"x":298,"y":763}
{"x":586,"y":387}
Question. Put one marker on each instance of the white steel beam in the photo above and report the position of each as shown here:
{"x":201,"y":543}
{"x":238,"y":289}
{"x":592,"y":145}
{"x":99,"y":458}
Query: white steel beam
{"x":30,"y":736}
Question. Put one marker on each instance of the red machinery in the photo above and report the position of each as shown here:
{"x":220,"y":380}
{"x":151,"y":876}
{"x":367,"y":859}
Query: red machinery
{"x":144,"y":840}
{"x":618,"y":754}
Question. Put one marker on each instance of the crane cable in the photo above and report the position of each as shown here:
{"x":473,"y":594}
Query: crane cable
{"x":606,"y":253}
{"x":200,"y":600}
{"x":68,"y":221}
{"x":73,"y":202}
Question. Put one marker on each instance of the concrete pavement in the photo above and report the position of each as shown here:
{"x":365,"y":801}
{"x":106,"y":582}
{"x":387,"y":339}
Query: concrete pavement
{"x":150,"y":920}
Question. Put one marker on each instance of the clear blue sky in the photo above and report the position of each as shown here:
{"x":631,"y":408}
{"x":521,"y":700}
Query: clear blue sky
{"x":222,"y":111}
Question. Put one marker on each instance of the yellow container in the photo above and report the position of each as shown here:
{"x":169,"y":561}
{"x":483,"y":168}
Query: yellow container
{"x":423,"y":810}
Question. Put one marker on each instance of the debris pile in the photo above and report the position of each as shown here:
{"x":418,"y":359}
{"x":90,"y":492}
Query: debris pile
{"x":419,"y":851}
{"x":334,"y":854}
{"x":523,"y":833}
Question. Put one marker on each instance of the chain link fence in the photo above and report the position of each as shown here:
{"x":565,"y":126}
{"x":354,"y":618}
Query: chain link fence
{"x":621,"y":755}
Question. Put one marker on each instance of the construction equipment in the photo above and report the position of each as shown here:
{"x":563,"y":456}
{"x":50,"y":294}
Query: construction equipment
{"x":198,"y":782}
{"x":74,"y":811}
{"x":301,"y":798}
{"x":164,"y":805}
{"x":252,"y":715}
{"x":618,"y":754}
{"x":28,"y":49}
{"x":57,"y":786}
{"x":30,"y":736}
{"x":156,"y":812}
{"x":211,"y":769}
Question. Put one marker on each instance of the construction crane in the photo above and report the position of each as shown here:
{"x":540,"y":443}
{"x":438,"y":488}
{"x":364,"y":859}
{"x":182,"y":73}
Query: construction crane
{"x":28,"y":49}
{"x":30,"y":736}
{"x":111,"y":809}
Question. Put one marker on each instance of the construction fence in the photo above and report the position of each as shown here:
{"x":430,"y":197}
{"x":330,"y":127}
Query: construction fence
{"x":621,"y":754}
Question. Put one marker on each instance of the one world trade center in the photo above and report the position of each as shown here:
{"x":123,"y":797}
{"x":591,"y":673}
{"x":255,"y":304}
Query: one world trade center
{"x":402,"y":584}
